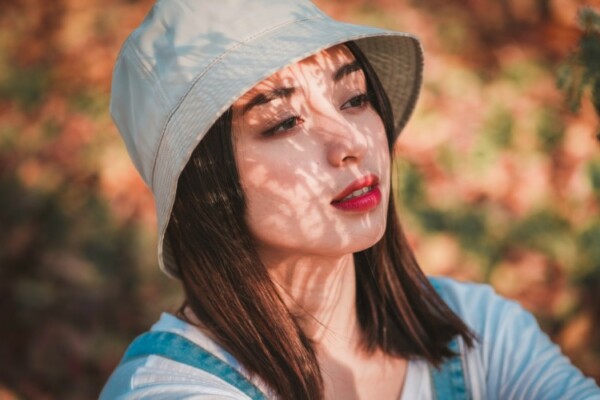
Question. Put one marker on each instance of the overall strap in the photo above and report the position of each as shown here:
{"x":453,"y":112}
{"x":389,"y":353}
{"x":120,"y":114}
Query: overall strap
{"x":180,"y":349}
{"x":448,"y":380}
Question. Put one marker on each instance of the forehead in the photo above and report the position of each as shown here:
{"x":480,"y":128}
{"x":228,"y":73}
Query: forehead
{"x":320,"y":65}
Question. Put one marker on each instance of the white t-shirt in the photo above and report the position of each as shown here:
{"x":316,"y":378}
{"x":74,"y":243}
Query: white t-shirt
{"x":513,"y":359}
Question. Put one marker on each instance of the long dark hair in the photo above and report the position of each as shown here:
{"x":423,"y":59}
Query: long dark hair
{"x":229,"y":289}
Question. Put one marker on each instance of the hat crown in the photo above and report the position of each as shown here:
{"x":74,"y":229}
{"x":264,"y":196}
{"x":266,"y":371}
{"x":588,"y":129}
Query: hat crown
{"x":177,"y":41}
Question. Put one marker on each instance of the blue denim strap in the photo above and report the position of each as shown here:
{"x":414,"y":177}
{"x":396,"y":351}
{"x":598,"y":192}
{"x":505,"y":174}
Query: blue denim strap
{"x":180,"y":349}
{"x":448,"y":380}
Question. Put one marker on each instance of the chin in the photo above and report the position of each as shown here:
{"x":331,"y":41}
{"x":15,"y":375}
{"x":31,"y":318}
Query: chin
{"x":367,"y":244}
{"x":360,"y":241}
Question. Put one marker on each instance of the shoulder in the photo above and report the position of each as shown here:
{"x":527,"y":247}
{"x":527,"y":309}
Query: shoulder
{"x":499,"y":324}
{"x":496,"y":321}
{"x":478,"y":305}
{"x":517,"y":359}
{"x":155,"y":377}
{"x":160,"y":367}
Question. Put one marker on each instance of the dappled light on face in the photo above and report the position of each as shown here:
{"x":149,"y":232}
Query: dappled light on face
{"x":302,"y":138}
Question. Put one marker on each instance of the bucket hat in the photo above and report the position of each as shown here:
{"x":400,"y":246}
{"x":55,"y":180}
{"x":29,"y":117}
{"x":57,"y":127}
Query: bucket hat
{"x":190,"y":60}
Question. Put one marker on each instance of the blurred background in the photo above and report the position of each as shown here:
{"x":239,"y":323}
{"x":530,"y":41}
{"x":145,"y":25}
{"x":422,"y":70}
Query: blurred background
{"x":498,"y":177}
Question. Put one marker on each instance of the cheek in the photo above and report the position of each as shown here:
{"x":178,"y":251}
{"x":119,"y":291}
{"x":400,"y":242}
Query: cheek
{"x":288,"y":201}
{"x":277,"y":189}
{"x":378,"y":156}
{"x":277,"y":177}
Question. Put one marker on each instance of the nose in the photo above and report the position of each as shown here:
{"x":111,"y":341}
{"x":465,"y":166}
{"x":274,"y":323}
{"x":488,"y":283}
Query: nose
{"x":345,"y":142}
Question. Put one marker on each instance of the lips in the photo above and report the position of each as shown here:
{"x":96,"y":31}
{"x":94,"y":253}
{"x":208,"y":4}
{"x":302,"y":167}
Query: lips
{"x":361,"y":195}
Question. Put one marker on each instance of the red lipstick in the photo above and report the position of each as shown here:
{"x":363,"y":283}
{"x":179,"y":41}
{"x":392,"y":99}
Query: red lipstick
{"x":361,"y":195}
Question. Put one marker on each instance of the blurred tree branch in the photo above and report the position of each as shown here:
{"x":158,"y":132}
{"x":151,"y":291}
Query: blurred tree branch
{"x":581,"y":70}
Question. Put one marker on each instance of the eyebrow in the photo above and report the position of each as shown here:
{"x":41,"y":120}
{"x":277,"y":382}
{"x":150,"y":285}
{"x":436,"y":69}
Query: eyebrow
{"x":266,"y":97}
{"x":346,"y":69}
{"x":284,"y":92}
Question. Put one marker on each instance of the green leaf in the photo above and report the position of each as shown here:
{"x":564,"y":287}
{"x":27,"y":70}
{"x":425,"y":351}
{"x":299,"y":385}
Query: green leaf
{"x":589,"y":19}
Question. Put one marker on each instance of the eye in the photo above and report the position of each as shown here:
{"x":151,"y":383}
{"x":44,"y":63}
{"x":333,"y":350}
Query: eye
{"x":283,"y":127}
{"x":356,"y":102}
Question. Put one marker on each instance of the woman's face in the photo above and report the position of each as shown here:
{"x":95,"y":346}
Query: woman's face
{"x":313,"y":159}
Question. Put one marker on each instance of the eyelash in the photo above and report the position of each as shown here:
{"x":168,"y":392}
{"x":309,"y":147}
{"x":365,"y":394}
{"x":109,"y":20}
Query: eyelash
{"x":284,"y":126}
{"x":290,"y":123}
{"x":363,"y":98}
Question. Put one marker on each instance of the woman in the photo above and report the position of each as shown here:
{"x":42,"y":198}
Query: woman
{"x":265,"y":130}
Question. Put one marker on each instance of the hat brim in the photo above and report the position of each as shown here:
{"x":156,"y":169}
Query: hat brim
{"x":396,"y":57}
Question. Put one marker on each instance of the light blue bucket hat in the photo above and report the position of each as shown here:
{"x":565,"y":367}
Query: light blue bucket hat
{"x":190,"y":60}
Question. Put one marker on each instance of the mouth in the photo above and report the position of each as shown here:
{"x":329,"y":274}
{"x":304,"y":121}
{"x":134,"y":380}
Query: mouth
{"x":361,"y":195}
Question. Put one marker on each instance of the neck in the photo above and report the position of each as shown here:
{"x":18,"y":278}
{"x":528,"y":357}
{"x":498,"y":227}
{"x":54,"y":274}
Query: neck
{"x":321,"y":293}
